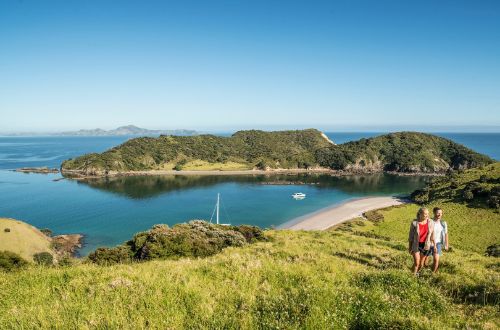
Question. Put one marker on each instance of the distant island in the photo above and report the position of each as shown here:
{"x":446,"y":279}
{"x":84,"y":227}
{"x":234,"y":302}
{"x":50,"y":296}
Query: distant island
{"x":293,"y":151}
{"x":129,"y":130}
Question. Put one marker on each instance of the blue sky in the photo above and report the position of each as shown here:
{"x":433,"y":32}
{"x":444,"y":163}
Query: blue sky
{"x":224,"y":65}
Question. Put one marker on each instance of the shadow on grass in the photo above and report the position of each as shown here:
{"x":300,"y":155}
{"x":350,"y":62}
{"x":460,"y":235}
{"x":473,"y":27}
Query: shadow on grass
{"x":382,"y":261}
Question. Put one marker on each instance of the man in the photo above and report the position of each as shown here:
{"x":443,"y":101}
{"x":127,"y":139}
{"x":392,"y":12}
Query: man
{"x":440,"y":237}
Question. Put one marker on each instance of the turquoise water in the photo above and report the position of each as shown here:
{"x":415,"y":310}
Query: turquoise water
{"x":109,"y":212}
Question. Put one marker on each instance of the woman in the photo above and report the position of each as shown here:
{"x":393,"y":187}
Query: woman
{"x":420,"y":239}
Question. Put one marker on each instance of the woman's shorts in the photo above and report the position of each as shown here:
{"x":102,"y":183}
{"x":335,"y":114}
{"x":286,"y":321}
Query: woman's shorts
{"x":422,"y":251}
{"x":439,"y":249}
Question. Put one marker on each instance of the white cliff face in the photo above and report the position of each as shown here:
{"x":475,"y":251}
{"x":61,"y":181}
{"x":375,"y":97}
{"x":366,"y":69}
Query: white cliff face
{"x":327,"y":139}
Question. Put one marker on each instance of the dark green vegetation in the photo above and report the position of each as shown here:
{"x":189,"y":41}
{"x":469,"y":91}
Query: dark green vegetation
{"x":478,"y":187}
{"x":10,"y":261}
{"x":44,"y":258}
{"x":286,"y":149}
{"x":399,"y":152}
{"x":194,"y":239}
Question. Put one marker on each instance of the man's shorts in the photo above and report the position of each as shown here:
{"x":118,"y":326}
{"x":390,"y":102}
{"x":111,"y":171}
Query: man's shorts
{"x":439,"y":249}
{"x":422,"y":251}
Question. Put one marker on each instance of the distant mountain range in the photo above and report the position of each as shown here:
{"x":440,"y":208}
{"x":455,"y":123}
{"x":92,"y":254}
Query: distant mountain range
{"x":120,"y":131}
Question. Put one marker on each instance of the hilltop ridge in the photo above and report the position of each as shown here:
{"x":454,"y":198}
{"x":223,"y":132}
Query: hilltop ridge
{"x":310,"y":149}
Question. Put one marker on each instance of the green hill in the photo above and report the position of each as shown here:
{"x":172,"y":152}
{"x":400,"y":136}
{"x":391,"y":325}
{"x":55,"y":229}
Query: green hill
{"x":245,"y":150}
{"x":478,"y":187}
{"x":401,"y":152}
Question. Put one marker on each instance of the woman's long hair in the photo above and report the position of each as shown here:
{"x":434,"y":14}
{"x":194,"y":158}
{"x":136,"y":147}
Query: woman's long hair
{"x":421,"y":211}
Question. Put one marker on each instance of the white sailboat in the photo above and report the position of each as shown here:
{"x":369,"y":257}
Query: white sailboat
{"x":216,"y":211}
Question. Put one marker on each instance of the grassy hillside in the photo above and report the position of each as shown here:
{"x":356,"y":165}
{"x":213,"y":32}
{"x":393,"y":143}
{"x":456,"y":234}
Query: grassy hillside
{"x":313,"y":280}
{"x":477,"y":187}
{"x":401,"y":152}
{"x":473,"y":222}
{"x":23,"y":239}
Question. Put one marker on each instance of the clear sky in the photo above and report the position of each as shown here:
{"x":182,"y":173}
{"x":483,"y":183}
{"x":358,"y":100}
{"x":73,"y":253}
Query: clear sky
{"x":224,"y":65}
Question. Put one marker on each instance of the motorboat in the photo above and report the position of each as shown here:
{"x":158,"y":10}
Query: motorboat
{"x":299,"y":195}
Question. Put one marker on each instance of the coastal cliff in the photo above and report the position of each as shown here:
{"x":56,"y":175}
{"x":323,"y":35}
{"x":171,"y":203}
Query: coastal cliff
{"x":301,"y":150}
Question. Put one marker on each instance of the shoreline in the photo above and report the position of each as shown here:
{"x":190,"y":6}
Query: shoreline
{"x":338,"y":213}
{"x":78,"y":175}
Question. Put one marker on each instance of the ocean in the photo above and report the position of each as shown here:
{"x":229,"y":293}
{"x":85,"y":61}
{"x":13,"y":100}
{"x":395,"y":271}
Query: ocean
{"x":109,"y":212}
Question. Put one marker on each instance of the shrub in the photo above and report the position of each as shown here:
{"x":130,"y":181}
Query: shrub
{"x":454,"y":184}
{"x":44,"y":258}
{"x":46,"y":232}
{"x":420,"y":196}
{"x":10,"y":261}
{"x":194,"y":239}
{"x":110,"y":256}
{"x":494,"y":202}
{"x":493,"y":250}
{"x":251,"y":233}
{"x":66,"y":261}
{"x":7,"y":230}
{"x":374,"y":216}
{"x":468,"y":195}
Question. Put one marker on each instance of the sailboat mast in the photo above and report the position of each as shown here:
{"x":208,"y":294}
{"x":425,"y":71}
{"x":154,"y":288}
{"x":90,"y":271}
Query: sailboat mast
{"x":218,"y":194}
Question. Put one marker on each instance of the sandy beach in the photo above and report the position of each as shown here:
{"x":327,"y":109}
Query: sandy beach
{"x":331,"y":216}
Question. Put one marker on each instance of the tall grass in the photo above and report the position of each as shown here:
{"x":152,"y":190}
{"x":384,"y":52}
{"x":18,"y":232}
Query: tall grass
{"x":298,"y":280}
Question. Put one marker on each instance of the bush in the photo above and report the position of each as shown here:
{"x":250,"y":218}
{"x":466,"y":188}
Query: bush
{"x":194,"y":239}
{"x":110,"y":256}
{"x":66,"y":261}
{"x":10,"y":261}
{"x":420,"y":196}
{"x":251,"y":233}
{"x":494,"y":202}
{"x":468,"y":195}
{"x":454,"y":184}
{"x":46,"y":232}
{"x":493,"y":250}
{"x":7,"y":230}
{"x":374,"y":216}
{"x":44,"y":258}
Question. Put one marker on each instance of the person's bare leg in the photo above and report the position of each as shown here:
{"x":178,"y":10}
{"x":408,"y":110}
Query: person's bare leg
{"x":422,"y":262}
{"x":426,"y":262}
{"x":436,"y":262}
{"x":416,"y":262}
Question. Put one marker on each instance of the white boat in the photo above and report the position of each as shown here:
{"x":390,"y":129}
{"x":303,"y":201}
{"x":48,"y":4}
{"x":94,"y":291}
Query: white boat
{"x":216,"y":211}
{"x":299,"y":195}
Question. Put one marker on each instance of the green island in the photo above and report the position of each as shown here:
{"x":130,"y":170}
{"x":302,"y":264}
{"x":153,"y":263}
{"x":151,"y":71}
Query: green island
{"x":355,"y":275}
{"x":310,"y":149}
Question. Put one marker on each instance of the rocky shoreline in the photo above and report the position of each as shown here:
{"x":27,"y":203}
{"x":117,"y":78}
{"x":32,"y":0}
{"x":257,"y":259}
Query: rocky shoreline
{"x":38,"y":170}
{"x":82,"y":175}
{"x":67,"y":244}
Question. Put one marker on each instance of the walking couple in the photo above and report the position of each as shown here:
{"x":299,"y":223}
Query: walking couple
{"x":427,"y":237}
